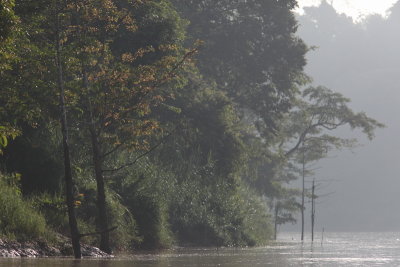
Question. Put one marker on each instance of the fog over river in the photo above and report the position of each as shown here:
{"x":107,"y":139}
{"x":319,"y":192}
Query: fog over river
{"x":359,"y":60}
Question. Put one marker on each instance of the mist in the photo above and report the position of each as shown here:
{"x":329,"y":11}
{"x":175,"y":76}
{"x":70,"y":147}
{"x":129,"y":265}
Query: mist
{"x":361,"y":61}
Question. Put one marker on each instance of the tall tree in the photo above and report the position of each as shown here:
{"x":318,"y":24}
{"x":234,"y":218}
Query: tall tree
{"x":116,"y":85}
{"x":308,"y":129}
{"x":250,"y":51}
{"x":252,"y":54}
{"x":31,"y":82}
{"x":73,"y":224}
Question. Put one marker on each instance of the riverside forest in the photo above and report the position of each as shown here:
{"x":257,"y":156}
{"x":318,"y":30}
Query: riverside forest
{"x":149,"y":124}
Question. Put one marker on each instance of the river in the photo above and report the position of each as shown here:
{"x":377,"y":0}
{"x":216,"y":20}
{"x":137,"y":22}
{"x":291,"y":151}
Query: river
{"x":337,"y":249}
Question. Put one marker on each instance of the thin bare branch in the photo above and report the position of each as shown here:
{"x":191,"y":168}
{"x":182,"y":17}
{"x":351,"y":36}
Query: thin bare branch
{"x":140,"y":156}
{"x":99,"y":232}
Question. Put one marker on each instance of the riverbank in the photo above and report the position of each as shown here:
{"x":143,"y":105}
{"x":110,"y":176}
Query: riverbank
{"x":36,"y":249}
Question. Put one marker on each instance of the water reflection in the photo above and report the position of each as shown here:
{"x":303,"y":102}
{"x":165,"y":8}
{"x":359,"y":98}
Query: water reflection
{"x":76,"y":263}
{"x":342,"y":249}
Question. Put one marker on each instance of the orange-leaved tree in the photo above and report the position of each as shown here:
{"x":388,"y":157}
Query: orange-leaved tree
{"x":116,"y":85}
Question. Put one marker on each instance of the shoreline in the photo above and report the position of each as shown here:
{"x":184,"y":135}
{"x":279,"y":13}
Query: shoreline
{"x":41,"y":249}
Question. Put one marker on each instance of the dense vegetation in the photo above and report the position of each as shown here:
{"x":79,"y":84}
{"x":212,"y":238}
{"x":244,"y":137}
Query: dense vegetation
{"x":182,"y":121}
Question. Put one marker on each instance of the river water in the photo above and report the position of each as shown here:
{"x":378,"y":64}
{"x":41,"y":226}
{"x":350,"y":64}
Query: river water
{"x":337,"y":249}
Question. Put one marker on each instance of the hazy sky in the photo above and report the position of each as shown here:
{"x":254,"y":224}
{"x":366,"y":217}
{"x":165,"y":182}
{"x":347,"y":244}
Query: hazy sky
{"x":354,"y":8}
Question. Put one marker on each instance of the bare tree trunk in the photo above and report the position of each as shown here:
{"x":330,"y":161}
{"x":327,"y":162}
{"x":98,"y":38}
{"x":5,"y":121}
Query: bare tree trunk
{"x":312,"y":210}
{"x":73,"y":225}
{"x":101,"y":196}
{"x":98,"y":163}
{"x":303,"y":196}
{"x":276,"y":220}
{"x":322,"y":237}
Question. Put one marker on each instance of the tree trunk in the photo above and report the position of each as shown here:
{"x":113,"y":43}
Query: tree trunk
{"x":312,"y":211}
{"x":303,"y":196}
{"x":276,"y":220}
{"x":101,"y":196}
{"x":98,"y":163}
{"x":73,"y":225}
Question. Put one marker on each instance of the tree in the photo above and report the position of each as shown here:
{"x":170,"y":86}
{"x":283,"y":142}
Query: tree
{"x":250,"y":51}
{"x":254,"y":58}
{"x":73,"y":224}
{"x":116,"y":86}
{"x":111,"y":80}
{"x":41,"y":49}
{"x":308,"y":129}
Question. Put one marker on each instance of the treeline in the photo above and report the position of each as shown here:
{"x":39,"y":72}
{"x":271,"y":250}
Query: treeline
{"x":182,"y":121}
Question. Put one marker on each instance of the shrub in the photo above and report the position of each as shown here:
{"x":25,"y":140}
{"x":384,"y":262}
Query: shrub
{"x":145,"y":191}
{"x":118,"y":215}
{"x":218,"y":214}
{"x":18,"y":219}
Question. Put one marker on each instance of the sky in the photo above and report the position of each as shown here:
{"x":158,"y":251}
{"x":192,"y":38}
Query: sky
{"x":354,"y":8}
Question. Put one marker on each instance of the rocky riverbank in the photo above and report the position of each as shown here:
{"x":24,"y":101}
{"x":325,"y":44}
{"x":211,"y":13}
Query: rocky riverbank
{"x":42,"y":249}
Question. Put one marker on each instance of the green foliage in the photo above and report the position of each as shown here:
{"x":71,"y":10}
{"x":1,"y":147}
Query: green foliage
{"x":7,"y":133}
{"x":53,"y":209}
{"x":207,"y":210}
{"x":7,"y":19}
{"x":332,"y":111}
{"x":152,"y":217}
{"x":124,"y":236}
{"x":145,"y":191}
{"x":319,"y":112}
{"x":257,"y":223}
{"x":18,"y":219}
{"x":250,"y":51}
{"x":159,"y":26}
{"x":206,"y":128}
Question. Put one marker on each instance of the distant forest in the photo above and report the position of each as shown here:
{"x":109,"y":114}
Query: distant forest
{"x":156,"y":123}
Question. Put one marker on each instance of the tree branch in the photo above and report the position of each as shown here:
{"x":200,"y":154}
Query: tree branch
{"x":140,"y":156}
{"x":99,"y":232}
{"x":112,"y":150}
{"x":299,"y":141}
{"x":168,"y":75}
{"x":320,"y":123}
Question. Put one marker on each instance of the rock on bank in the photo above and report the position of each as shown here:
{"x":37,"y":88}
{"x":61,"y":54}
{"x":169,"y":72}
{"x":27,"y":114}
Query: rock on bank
{"x":42,"y":249}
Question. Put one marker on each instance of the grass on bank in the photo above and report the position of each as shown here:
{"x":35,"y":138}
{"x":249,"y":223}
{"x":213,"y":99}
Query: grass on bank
{"x":18,"y":219}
